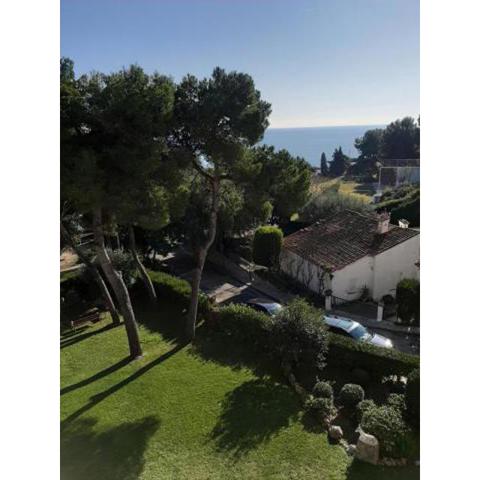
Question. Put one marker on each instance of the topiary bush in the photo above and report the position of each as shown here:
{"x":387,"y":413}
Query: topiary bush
{"x":397,"y":400}
{"x":408,"y":300}
{"x":386,"y":423}
{"x":412,"y":397}
{"x":363,"y":406}
{"x":323,"y":390}
{"x":351,"y":395}
{"x":299,"y":335}
{"x":322,"y":408}
{"x":267,"y":243}
{"x":245,"y":325}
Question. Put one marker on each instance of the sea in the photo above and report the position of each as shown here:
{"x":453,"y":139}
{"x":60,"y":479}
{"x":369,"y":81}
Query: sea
{"x":310,"y":142}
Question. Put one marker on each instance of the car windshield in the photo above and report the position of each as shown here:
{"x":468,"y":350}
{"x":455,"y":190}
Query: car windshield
{"x":273,"y":308}
{"x":360,"y":332}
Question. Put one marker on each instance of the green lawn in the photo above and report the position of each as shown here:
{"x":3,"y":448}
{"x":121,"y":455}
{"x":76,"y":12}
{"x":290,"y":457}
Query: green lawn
{"x":185,"y":412}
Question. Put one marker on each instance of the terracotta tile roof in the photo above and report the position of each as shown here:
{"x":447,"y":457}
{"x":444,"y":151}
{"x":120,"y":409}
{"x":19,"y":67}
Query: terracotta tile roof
{"x":344,"y":238}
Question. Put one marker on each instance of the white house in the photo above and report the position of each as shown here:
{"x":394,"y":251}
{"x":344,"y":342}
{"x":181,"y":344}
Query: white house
{"x":351,"y":251}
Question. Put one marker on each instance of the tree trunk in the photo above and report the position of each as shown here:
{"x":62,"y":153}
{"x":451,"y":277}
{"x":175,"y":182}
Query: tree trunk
{"x":201,"y":255}
{"x":107,"y":298}
{"x":141,"y":268}
{"x":117,"y":240}
{"x":116,"y":281}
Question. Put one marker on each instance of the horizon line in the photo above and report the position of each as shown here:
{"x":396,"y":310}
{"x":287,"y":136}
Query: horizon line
{"x":329,"y":126}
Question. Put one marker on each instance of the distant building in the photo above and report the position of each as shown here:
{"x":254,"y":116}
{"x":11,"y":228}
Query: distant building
{"x":396,"y":172}
{"x":351,"y":251}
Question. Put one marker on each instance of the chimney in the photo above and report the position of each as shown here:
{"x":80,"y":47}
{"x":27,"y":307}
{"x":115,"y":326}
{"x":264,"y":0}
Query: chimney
{"x":383,"y":220}
{"x":402,"y":223}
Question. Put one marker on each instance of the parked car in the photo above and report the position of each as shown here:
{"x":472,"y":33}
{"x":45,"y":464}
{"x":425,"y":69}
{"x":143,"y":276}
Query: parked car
{"x":356,"y":331}
{"x":264,"y":305}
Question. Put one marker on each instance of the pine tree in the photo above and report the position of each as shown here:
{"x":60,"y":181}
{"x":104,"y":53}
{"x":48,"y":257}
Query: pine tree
{"x":323,"y":165}
{"x":339,"y":164}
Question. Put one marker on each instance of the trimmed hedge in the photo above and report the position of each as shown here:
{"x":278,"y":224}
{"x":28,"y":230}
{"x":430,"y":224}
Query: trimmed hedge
{"x":245,"y":325}
{"x":177,"y":290}
{"x":378,"y":361}
{"x":267,"y":244}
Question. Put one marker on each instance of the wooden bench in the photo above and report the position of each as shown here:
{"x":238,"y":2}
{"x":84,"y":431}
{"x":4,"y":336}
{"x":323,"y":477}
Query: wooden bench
{"x":91,"y":316}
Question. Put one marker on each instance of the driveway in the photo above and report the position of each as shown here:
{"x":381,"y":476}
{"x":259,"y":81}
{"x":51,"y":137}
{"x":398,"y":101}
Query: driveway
{"x":223,"y":287}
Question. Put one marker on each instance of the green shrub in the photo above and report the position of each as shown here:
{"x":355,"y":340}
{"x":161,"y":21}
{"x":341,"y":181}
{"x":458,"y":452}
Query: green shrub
{"x":245,"y":325}
{"x":323,"y":390}
{"x":177,"y":291}
{"x":267,"y":244}
{"x":123,"y":262}
{"x":397,"y":400}
{"x":412,"y":397}
{"x":379,"y":362}
{"x":386,"y":423}
{"x":322,"y":408}
{"x":363,"y":406}
{"x":408,"y":299}
{"x":351,"y":395}
{"x":299,"y":335}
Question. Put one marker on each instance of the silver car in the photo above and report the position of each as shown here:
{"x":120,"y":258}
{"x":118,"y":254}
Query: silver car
{"x":356,"y":331}
{"x":269,"y":307}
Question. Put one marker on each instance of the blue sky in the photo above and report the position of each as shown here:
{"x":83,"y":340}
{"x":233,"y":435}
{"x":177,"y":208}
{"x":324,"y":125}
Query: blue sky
{"x":319,"y":62}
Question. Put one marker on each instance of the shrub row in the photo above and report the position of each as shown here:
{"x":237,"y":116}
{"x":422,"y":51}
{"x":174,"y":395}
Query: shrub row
{"x":377,"y":361}
{"x":295,"y":336}
{"x":246,"y":325}
{"x":177,"y":291}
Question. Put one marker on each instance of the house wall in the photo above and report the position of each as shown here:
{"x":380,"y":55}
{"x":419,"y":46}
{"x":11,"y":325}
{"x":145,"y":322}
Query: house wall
{"x":380,"y":274}
{"x":348,"y":283}
{"x":393,"y":265}
{"x":303,"y":271}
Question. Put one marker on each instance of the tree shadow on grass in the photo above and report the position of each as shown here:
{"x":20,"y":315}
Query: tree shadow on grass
{"x":114,"y":454}
{"x":252,"y":414}
{"x":97,"y":376}
{"x":163,"y":317}
{"x":69,"y":339}
{"x":95,"y":399}
{"x":214,"y":346}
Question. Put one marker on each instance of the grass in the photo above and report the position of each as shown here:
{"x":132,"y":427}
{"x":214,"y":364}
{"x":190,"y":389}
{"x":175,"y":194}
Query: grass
{"x":359,"y":190}
{"x":202,"y":411}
